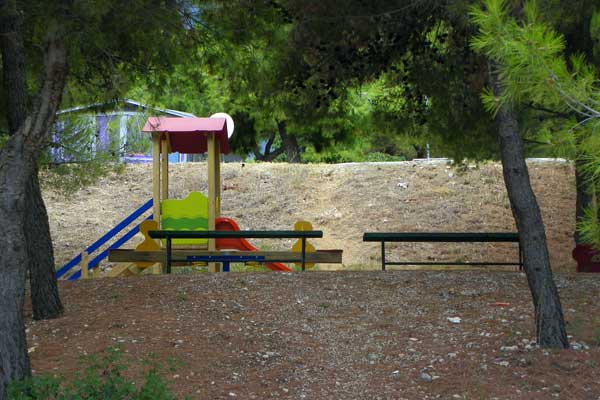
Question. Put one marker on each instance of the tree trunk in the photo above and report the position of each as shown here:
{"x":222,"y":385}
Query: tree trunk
{"x":14,"y":171}
{"x":45,"y":298}
{"x":13,"y":65}
{"x":289,"y":143}
{"x":18,"y":165}
{"x":579,"y":42}
{"x":549,"y":320}
{"x":268,"y":154}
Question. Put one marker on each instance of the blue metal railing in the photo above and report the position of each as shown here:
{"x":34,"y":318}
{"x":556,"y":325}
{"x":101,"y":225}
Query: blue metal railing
{"x":105,"y":238}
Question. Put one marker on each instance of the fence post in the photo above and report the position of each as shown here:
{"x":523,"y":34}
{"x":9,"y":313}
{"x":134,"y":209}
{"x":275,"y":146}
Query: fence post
{"x":85,"y":258}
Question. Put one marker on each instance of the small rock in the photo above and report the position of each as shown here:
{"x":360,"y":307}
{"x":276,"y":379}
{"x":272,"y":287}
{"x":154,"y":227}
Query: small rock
{"x":425,"y":377}
{"x":454,"y":320}
{"x":530,"y":347}
{"x":509,"y":348}
{"x":523,"y":362}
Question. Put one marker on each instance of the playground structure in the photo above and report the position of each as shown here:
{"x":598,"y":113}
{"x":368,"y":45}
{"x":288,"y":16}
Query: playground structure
{"x":195,"y":213}
{"x":199,"y":213}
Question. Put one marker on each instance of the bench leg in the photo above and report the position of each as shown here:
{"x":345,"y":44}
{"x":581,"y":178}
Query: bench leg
{"x":303,"y":254}
{"x":225,"y":266}
{"x":520,"y":257}
{"x":383,"y":256}
{"x":168,"y":266}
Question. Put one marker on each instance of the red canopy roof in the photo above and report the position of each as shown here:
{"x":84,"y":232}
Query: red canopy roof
{"x":189,"y":135}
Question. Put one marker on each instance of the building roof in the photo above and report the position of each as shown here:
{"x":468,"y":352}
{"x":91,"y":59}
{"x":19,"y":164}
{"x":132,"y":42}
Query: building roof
{"x":190,"y":135}
{"x":128,"y":103}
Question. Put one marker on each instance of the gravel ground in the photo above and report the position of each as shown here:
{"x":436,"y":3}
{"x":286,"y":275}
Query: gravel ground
{"x":332,"y":335}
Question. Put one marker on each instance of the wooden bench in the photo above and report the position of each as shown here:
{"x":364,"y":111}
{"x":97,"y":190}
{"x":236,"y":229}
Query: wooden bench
{"x":442,"y":237}
{"x":227,"y":257}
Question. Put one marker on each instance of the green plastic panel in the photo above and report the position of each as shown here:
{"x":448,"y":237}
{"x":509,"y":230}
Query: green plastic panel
{"x":189,"y":214}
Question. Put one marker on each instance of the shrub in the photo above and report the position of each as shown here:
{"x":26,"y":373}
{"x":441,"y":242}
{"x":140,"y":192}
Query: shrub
{"x":102,"y":378}
{"x":69,"y":178}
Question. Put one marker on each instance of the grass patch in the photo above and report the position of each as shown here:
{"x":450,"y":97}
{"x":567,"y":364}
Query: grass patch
{"x":106,"y":377}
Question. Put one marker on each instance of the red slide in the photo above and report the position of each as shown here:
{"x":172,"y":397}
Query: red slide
{"x":227,"y":224}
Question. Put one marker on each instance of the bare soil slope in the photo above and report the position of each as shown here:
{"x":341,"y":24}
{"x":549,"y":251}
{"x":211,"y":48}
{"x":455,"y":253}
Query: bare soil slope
{"x":344,"y":201}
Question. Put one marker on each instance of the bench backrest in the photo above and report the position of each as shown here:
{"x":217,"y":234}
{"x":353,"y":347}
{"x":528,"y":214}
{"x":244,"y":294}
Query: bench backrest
{"x":441,"y":237}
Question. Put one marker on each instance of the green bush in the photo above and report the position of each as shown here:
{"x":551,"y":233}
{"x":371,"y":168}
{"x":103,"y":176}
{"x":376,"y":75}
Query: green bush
{"x":69,"y":178}
{"x":378,"y":157}
{"x":348,"y":155}
{"x":103,"y":378}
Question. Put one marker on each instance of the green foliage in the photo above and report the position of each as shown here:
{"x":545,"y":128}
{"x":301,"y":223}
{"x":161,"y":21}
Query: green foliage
{"x":69,"y":178}
{"x":589,"y":228}
{"x":531,"y":64}
{"x":345,"y":155}
{"x":106,"y":377}
{"x":530,"y":59}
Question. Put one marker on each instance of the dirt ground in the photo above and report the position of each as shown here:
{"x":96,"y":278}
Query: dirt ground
{"x":343,"y":200}
{"x":332,"y":335}
{"x":349,"y":334}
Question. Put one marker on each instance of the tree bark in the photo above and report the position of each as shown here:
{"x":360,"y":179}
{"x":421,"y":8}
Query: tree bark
{"x":549,"y":320}
{"x":14,"y":171}
{"x":18,"y":166}
{"x":45,"y":298}
{"x":289,"y":143}
{"x":13,"y":65}
{"x":268,"y":154}
{"x":579,"y":42}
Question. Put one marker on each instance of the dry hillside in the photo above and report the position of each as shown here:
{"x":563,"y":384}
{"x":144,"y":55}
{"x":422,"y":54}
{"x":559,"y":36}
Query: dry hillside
{"x":343,"y":200}
{"x":333,"y":335}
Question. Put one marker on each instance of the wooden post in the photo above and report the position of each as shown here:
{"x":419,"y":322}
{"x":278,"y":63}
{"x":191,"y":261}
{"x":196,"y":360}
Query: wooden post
{"x":165,"y":168}
{"x":156,"y":176}
{"x":85,"y":258}
{"x":213,"y":194}
{"x":218,"y":181}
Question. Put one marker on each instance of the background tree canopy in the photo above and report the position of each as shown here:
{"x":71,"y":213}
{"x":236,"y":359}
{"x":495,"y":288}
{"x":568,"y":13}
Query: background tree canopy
{"x":319,"y":80}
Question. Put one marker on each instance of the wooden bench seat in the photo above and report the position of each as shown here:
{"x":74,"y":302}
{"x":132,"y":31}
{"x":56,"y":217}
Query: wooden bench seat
{"x":442,"y":237}
{"x":319,"y":256}
{"x":170,"y":255}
